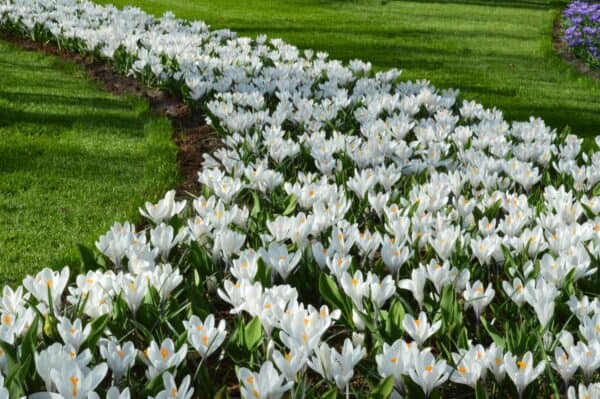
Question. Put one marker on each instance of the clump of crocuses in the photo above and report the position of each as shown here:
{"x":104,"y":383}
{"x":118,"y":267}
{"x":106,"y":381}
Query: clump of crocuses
{"x":581,"y":21}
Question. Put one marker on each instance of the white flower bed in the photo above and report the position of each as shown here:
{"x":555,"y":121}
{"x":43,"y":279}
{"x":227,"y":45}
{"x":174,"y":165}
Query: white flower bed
{"x":356,"y":235}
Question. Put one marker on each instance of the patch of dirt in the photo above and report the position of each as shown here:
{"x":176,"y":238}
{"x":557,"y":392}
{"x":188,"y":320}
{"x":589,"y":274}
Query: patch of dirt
{"x":191,"y":134}
{"x":562,"y":49}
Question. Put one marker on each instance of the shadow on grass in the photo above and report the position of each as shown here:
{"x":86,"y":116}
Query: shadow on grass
{"x":131,"y":126}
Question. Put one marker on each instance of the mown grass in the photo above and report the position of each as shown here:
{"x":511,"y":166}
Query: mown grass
{"x":73,"y":159}
{"x":496,"y":52}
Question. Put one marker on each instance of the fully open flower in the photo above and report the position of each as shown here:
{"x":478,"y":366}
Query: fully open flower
{"x":522,"y":372}
{"x":119,"y":357}
{"x":163,"y":357}
{"x":72,"y":382}
{"x":264,"y":384}
{"x":204,"y":336}
{"x":420,"y":329}
{"x":429,"y":373}
{"x":172,"y":391}
{"x":48,"y":286}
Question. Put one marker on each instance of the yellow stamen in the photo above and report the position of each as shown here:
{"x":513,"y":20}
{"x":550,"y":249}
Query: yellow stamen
{"x":74,"y":381}
{"x":164,"y":352}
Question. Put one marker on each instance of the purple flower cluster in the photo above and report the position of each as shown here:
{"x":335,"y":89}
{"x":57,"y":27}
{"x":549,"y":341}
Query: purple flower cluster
{"x":581,"y":21}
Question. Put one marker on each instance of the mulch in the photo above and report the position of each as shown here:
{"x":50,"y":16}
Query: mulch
{"x":562,"y":49}
{"x":191,"y":134}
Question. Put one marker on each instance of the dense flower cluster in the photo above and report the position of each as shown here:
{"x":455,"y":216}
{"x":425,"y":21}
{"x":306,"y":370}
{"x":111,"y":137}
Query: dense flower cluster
{"x":356,"y":235}
{"x":581,"y":20}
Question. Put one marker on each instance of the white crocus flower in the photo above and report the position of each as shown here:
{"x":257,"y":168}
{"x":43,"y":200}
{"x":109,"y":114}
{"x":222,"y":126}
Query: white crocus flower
{"x":540,"y":295}
{"x":160,"y":359}
{"x":48,"y":286}
{"x":495,"y":362}
{"x":335,"y":366}
{"x":471,"y":366}
{"x":429,"y":373}
{"x":133,"y":290}
{"x":114,"y":393}
{"x":515,"y":291}
{"x":172,"y":391}
{"x":4,"y":393}
{"x":290,"y":363}
{"x":72,"y":382}
{"x":165,"y":279}
{"x":590,"y":328}
{"x":564,"y":364}
{"x":119,"y":357}
{"x":416,"y":284}
{"x":338,"y":264}
{"x":204,"y":336}
{"x":279,"y":259}
{"x":395,"y":361}
{"x":477,"y":297}
{"x":163,"y":239}
{"x":56,"y":356}
{"x":355,"y":287}
{"x":394,"y":255}
{"x":13,"y":301}
{"x":380,"y":290}
{"x":522,"y":372}
{"x":164,"y":209}
{"x":73,"y":333}
{"x":420,"y":329}
{"x":228,"y":243}
{"x":266,"y":384}
{"x":591,"y":391}
{"x":246,"y":266}
{"x":587,"y":356}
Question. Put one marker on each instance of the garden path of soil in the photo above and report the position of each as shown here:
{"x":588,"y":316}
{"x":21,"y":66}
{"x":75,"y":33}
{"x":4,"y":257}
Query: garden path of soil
{"x":191,"y":134}
{"x":561,"y":48}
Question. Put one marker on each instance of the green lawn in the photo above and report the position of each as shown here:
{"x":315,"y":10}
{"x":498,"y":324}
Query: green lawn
{"x":497,"y":52}
{"x":73,"y":159}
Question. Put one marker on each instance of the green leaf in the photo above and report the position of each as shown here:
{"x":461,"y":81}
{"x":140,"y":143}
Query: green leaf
{"x":29,"y":344}
{"x":480,"y":391}
{"x":98,"y":327}
{"x":492,"y":332}
{"x":291,"y":202}
{"x":153,"y":386}
{"x":492,"y":211}
{"x":330,"y":291}
{"x":222,"y":393}
{"x":256,"y":206}
{"x":253,"y":334}
{"x":12,"y":381}
{"x":383,"y":390}
{"x":331,"y":394}
{"x":88,"y":258}
{"x":396,"y":314}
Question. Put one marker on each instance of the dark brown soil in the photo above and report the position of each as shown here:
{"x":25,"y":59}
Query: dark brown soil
{"x":191,"y":134}
{"x":563,"y":51}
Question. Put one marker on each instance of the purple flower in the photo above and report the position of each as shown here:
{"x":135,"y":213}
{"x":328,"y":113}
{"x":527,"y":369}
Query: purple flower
{"x":581,"y":21}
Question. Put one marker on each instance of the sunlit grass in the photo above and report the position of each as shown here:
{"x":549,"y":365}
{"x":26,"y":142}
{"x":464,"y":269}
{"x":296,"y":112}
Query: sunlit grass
{"x":73,"y":159}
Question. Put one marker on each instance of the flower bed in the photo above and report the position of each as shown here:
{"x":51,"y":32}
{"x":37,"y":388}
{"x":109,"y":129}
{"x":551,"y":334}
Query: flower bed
{"x":356,"y":236}
{"x":581,"y":20}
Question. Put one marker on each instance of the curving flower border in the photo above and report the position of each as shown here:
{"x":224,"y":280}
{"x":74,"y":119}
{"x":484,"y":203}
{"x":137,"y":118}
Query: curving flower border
{"x":346,"y":230}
